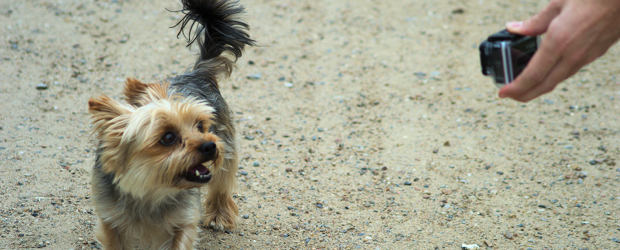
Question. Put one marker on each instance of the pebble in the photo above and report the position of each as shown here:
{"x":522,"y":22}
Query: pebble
{"x":509,"y":235}
{"x":245,"y":216}
{"x":467,"y":247}
{"x":249,"y":137}
{"x":568,"y":147}
{"x":41,"y":86}
{"x":288,"y":84}
{"x":407,"y":183}
{"x":255,"y":164}
{"x":254,"y":76}
{"x":243,"y":173}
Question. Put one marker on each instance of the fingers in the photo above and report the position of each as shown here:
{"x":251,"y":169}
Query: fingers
{"x":534,"y":73}
{"x":539,"y":23}
{"x":560,"y":72}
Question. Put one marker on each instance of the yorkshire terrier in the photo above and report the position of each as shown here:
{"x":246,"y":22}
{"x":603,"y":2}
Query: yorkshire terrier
{"x":169,"y":140}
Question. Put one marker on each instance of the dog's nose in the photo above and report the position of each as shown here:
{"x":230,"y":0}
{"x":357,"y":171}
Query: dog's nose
{"x":208,"y":149}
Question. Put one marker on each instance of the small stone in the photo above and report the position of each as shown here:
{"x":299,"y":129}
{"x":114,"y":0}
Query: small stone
{"x":241,"y":234}
{"x":460,"y":11}
{"x":254,"y":76}
{"x":256,"y":164}
{"x":243,"y":173}
{"x":509,"y":235}
{"x":245,"y":216}
{"x":275,"y":228}
{"x":468,"y":247}
{"x":41,"y":86}
{"x":426,"y":196}
{"x":446,"y":144}
{"x":249,"y":137}
{"x":568,"y":147}
{"x":407,"y":183}
{"x":289,"y":170}
{"x":288,"y":84}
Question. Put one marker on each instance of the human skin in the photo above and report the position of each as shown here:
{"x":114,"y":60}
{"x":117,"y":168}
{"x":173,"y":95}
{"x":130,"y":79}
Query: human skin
{"x":577,"y":33}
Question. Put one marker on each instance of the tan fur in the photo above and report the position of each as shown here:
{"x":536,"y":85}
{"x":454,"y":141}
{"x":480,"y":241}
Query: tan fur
{"x":157,"y":150}
{"x":149,"y":173}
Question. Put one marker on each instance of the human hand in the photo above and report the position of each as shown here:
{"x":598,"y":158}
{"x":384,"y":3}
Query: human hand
{"x":578,"y":32}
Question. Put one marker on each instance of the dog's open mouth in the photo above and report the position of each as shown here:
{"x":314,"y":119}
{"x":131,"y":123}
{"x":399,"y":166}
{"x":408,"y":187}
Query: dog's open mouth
{"x":199,"y":173}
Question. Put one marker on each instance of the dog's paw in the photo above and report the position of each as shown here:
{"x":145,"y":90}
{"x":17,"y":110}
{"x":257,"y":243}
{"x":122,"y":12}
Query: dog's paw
{"x":216,"y":226}
{"x":221,"y":215}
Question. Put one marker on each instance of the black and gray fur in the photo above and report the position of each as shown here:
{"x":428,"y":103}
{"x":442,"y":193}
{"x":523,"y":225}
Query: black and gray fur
{"x":219,"y":35}
{"x":221,"y":38}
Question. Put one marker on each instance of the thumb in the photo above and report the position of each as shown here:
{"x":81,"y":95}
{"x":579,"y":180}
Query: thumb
{"x":536,"y":25}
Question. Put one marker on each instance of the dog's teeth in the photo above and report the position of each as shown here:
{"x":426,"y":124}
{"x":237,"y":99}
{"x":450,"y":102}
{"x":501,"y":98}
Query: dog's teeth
{"x":197,"y":173}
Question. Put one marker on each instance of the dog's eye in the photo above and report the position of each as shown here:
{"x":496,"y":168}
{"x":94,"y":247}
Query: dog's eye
{"x":168,"y":139}
{"x":201,"y":129}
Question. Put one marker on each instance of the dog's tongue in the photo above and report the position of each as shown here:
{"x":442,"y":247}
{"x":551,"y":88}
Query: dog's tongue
{"x":200,"y":168}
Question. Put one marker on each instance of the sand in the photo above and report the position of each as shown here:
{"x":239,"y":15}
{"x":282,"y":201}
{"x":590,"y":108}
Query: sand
{"x":362,"y":125}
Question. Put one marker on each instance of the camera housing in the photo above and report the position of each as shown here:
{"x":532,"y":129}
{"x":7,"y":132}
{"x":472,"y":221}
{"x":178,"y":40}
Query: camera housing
{"x":504,"y":55}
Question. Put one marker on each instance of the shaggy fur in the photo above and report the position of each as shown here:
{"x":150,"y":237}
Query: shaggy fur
{"x":168,"y":141}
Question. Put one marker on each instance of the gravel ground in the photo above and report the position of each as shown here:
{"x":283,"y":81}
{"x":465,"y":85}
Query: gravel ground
{"x":363,"y":125}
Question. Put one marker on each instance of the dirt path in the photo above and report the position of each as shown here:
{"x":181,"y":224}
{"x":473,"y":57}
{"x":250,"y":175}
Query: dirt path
{"x":369,"y":127}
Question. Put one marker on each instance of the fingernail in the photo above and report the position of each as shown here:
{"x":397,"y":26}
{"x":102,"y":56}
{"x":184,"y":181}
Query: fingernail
{"x":514,"y":24}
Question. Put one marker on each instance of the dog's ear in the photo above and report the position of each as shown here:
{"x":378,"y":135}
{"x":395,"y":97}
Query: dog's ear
{"x":107,"y":113}
{"x":139,"y":93}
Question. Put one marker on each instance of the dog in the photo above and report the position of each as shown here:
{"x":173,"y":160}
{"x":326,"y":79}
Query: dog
{"x":170,"y":139}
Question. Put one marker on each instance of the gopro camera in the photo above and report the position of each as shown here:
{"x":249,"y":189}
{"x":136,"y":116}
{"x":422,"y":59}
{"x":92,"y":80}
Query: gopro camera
{"x":504,"y":55}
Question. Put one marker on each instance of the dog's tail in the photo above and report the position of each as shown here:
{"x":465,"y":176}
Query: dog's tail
{"x":219,"y":31}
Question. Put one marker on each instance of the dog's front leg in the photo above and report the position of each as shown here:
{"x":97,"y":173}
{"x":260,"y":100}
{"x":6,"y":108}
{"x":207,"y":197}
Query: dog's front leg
{"x":184,"y":237}
{"x":110,"y":237}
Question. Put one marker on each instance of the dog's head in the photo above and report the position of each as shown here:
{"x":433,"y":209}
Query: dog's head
{"x":157,"y":141}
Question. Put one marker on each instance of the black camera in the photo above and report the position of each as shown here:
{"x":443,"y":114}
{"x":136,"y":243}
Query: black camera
{"x":504,"y":55}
